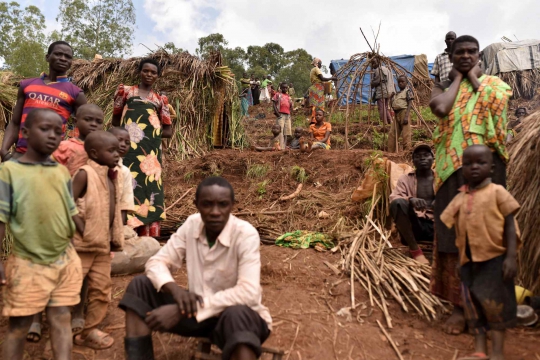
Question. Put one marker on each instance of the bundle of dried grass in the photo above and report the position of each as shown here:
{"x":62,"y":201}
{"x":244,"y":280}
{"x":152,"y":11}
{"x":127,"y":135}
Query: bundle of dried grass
{"x":524,"y":184}
{"x":385,"y":272}
{"x":8,"y":96}
{"x":202,"y":92}
{"x":523,"y":83}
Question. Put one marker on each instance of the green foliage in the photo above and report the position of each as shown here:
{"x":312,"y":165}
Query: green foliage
{"x":22,"y":39}
{"x":172,"y":49}
{"x":299,"y":174}
{"x":379,"y":139}
{"x":102,"y":27}
{"x":257,"y":170}
{"x":419,"y":135}
{"x":211,"y":43}
{"x":188,"y":176}
{"x":261,"y":188}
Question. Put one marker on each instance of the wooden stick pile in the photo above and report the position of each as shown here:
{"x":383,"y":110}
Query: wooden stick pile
{"x":386,"y":273}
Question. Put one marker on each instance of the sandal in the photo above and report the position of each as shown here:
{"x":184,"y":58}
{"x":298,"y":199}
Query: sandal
{"x":77,"y":326}
{"x":34,"y":333}
{"x":475,"y":356}
{"x":96,"y":339}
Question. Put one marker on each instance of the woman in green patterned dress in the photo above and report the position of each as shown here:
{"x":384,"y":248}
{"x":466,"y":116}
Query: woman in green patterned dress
{"x":145,"y":114}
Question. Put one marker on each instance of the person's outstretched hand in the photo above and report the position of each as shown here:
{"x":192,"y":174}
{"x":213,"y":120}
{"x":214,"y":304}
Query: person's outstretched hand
{"x":187,"y":302}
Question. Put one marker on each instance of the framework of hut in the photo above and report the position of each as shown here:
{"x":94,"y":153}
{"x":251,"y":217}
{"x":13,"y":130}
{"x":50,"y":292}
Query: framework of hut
{"x":356,"y":69}
{"x":202,"y":92}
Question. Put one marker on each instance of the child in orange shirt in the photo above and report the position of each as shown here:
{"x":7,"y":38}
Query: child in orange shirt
{"x":320,"y":132}
{"x":487,"y":238}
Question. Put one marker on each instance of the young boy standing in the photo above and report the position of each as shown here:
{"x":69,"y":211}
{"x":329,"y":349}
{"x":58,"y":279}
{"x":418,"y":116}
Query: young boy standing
{"x":487,"y":240}
{"x":401,"y":126}
{"x":97,"y":192}
{"x":282,"y":109}
{"x":44,"y":271}
{"x":127,"y":201}
{"x":70,"y":153}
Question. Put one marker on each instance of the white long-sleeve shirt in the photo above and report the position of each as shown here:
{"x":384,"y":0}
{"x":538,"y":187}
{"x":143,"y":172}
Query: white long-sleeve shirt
{"x":225,"y":275}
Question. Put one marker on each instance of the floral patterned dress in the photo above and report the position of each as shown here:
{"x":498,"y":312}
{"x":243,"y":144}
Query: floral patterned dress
{"x":143,"y":118}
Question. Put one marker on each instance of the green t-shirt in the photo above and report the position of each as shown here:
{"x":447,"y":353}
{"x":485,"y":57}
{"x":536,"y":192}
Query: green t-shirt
{"x":36,"y":200}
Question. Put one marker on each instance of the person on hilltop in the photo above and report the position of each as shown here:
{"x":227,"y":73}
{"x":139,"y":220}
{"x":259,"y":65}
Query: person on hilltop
{"x":52,"y":90}
{"x":411,"y":203}
{"x":316,"y":90}
{"x":472,"y":109}
{"x":401,"y":104}
{"x":255,"y":89}
{"x":222,"y":301}
{"x":265,"y":89}
{"x":245,"y":81}
{"x":145,"y":114}
{"x":383,"y":82}
{"x":443,"y":62}
{"x":283,"y":108}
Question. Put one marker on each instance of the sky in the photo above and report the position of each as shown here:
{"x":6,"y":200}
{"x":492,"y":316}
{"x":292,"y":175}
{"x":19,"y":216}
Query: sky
{"x":326,"y":29}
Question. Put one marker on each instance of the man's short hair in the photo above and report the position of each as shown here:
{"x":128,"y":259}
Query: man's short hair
{"x":402,"y":76}
{"x":464,"y":39}
{"x":150,"y":61}
{"x":51,"y":47}
{"x":214,"y":180}
{"x":36,"y":113}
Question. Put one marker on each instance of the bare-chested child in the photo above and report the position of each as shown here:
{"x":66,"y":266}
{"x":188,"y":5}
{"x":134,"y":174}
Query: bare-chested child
{"x":100,"y":230}
{"x":299,"y":142}
{"x":44,"y":271}
{"x":274,"y":144}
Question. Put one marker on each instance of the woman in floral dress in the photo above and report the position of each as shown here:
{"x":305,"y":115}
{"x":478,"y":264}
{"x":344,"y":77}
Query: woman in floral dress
{"x":145,"y":115}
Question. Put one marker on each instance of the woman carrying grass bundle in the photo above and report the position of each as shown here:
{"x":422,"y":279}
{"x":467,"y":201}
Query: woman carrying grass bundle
{"x":472,"y":109}
{"x":145,"y":115}
{"x":316,"y":90}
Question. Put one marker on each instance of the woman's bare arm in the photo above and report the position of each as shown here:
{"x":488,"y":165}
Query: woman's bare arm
{"x":442,"y":101}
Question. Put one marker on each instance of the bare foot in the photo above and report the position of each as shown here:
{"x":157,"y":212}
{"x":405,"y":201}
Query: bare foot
{"x":422,"y":259}
{"x":455,"y":324}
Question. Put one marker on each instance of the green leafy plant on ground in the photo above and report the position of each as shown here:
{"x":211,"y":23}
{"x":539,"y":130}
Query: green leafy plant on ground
{"x":255,"y":171}
{"x":261,"y":188}
{"x":299,"y":174}
{"x":379,"y":139}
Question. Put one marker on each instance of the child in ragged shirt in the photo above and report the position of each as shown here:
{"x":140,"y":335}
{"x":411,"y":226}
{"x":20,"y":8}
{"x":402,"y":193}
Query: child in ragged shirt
{"x":487,"y":238}
{"x":44,"y":271}
{"x":70,"y":153}
{"x":97,"y":192}
{"x":282,"y":109}
{"x":401,"y":126}
{"x":127,"y":201}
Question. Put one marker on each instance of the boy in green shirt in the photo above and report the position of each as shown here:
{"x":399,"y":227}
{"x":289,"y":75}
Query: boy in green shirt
{"x":44,"y":271}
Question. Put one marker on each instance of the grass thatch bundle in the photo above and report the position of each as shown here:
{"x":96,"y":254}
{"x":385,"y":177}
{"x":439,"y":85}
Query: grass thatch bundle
{"x":523,"y":83}
{"x":203,"y":93}
{"x":524,"y":184}
{"x":8,"y":96}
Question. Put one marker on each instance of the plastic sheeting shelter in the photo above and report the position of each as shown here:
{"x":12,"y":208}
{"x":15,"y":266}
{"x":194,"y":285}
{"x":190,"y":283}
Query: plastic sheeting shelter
{"x":405,"y":61}
{"x":512,"y":56}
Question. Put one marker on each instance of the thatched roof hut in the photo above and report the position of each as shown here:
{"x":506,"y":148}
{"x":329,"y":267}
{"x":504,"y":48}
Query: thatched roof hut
{"x":203,"y":93}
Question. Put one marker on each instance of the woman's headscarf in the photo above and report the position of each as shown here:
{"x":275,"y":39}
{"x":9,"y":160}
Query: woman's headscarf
{"x":316,"y":61}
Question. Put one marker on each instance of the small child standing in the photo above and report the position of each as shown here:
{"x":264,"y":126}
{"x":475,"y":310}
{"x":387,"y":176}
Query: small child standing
{"x":282,"y":109}
{"x":70,"y":153}
{"x":44,"y":271}
{"x":487,"y":238}
{"x":127,"y":201}
{"x":401,"y":104}
{"x":274,"y":144}
{"x":97,"y":192}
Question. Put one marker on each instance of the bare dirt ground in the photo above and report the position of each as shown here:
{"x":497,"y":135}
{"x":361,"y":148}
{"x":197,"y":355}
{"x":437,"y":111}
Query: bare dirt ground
{"x":303,"y":294}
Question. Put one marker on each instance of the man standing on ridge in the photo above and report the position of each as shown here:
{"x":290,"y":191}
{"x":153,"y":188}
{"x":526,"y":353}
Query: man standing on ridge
{"x":443,"y":63}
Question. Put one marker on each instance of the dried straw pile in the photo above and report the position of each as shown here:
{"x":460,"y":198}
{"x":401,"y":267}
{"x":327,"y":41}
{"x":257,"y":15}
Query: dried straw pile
{"x":8,"y":96}
{"x":203,"y":93}
{"x":524,"y":83}
{"x":524,"y":184}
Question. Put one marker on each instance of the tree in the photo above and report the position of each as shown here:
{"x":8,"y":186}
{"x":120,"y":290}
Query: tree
{"x":269,"y":57}
{"x":172,"y":49}
{"x":235,"y":58}
{"x":296,"y":69}
{"x":102,"y":27}
{"x":210,"y":43}
{"x":22,"y":39}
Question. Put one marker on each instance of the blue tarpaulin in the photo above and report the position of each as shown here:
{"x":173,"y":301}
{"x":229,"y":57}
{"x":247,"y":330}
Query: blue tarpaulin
{"x":406,"y":61}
